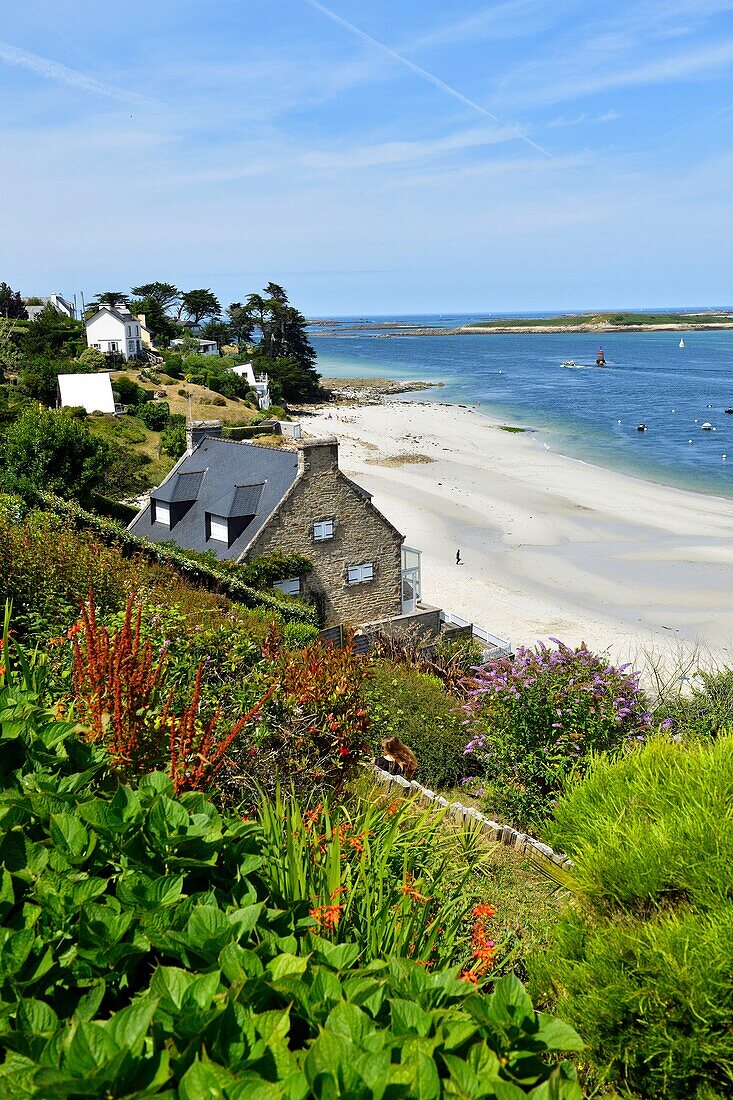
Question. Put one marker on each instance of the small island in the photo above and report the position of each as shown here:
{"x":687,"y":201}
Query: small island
{"x":605,"y":322}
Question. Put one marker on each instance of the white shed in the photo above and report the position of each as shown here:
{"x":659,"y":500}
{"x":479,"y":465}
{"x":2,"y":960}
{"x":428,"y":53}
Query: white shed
{"x":92,"y":392}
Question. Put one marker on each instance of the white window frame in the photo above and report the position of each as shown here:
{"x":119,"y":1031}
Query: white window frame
{"x":219,"y":528}
{"x":289,"y":587}
{"x":323,"y":530}
{"x":162,"y":513}
{"x":360,"y":574}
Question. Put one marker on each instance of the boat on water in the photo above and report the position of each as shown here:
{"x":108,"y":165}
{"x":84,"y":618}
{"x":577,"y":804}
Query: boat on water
{"x":682,"y":343}
{"x":707,"y":426}
{"x":568,"y":363}
{"x":642,"y":428}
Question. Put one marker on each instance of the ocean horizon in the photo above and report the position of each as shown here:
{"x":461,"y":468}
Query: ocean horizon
{"x":584,"y":411}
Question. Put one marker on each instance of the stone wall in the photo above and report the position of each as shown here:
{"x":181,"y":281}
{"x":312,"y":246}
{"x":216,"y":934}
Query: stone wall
{"x":361,"y":534}
{"x":494,"y":830}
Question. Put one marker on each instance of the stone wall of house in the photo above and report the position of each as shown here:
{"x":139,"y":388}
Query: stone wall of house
{"x":361,"y":534}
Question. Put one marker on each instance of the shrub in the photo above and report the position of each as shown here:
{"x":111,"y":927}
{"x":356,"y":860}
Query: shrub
{"x":173,"y":437}
{"x":54,"y":452}
{"x":538,"y":717}
{"x":299,"y":635}
{"x":93,"y":358}
{"x":416,"y":708}
{"x":154,"y":415}
{"x":703,"y":710}
{"x":129,"y":392}
{"x":643,"y":956}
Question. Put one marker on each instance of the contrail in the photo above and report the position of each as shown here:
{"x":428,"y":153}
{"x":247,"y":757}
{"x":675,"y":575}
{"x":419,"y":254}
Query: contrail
{"x":419,"y":71}
{"x":52,"y":70}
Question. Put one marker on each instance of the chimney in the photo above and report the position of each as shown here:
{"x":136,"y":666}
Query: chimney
{"x":141,"y":319}
{"x":319,"y":455}
{"x":202,"y":429}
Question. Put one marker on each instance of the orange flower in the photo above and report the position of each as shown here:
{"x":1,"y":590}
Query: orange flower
{"x":468,"y":976}
{"x":327,"y":916}
{"x":482,"y":948}
{"x":408,"y":889}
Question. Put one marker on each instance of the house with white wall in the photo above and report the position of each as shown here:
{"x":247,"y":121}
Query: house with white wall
{"x":204,"y":347}
{"x":260,"y":383}
{"x":59,"y":303}
{"x":115,"y":331}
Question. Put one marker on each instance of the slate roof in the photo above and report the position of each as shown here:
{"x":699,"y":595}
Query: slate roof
{"x":230,"y":479}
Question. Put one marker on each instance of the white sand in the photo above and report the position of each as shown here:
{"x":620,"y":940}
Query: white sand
{"x":551,"y":546}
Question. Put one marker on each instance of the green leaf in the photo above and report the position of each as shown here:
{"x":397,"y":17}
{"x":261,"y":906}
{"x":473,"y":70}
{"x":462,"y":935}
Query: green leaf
{"x":510,"y":1003}
{"x":169,"y":985}
{"x":556,"y":1034}
{"x":409,"y":1017}
{"x":203,"y":1082}
{"x":70,"y":837}
{"x":90,"y":1048}
{"x":138,"y":891}
{"x":129,"y":1027}
{"x":285,"y":966}
{"x":88,"y":1005}
{"x":36,"y":1016}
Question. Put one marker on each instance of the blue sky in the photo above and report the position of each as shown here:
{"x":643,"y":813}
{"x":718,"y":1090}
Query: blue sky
{"x":383,"y":157}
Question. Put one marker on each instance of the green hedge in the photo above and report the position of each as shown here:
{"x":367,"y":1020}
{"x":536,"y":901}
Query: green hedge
{"x":206,"y":576}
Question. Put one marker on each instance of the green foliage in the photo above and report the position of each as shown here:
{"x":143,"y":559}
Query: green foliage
{"x":173,"y":436}
{"x":266,"y":569}
{"x":416,"y":708}
{"x":54,"y":452}
{"x":93,"y":358}
{"x":298,"y":635}
{"x":144,"y":953}
{"x":11,"y":303}
{"x":643,"y":957}
{"x":537,"y":719}
{"x":39,"y":378}
{"x":129,"y":392}
{"x":703,"y":709}
{"x":210,"y":576}
{"x":52,"y":336}
{"x":154,"y":415}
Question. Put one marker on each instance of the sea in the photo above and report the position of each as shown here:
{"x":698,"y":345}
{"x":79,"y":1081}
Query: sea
{"x":584,"y":411}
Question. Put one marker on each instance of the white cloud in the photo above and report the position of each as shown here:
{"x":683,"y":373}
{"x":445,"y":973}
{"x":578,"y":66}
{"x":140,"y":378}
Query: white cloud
{"x":52,"y":70}
{"x":401,"y":152}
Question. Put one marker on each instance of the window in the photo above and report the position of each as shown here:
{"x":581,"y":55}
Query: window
{"x":160,"y":512}
{"x":219,"y":528}
{"x":323,"y":530}
{"x":290,"y":587}
{"x":358,"y":574}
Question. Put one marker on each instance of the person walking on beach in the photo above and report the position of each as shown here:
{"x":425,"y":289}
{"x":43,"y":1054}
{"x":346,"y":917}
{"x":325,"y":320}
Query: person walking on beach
{"x":397,"y":758}
{"x":458,"y":558}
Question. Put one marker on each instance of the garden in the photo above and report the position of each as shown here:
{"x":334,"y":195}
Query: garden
{"x":205,"y":893}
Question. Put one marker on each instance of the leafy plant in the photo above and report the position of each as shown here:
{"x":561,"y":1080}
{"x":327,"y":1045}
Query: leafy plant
{"x":144,"y":954}
{"x":539,"y":716}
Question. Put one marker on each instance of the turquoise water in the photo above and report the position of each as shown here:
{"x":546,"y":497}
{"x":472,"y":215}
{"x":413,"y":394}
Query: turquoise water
{"x":588,"y":412}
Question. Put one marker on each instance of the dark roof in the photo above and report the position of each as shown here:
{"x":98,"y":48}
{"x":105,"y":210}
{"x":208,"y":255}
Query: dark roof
{"x":182,"y":486}
{"x":231,"y":479}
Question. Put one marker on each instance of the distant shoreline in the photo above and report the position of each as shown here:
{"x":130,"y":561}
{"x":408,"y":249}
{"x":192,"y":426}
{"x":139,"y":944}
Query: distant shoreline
{"x":594,"y":324}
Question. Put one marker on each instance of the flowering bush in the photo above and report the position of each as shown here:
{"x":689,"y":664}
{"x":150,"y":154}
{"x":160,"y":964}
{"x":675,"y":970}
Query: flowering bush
{"x":539,"y":716}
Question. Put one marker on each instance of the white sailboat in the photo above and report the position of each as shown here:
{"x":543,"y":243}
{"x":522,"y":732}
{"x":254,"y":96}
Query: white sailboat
{"x":682,"y":343}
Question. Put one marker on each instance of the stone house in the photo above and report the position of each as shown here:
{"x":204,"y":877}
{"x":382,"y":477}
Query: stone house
{"x":242,"y":499}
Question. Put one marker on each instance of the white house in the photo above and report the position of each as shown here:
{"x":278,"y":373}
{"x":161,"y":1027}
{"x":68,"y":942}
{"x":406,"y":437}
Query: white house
{"x":260,"y":383}
{"x":59,"y":303}
{"x":92,"y":392}
{"x":115,"y":331}
{"x":204,"y":347}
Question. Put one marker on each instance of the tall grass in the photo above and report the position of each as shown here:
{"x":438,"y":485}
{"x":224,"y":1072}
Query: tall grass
{"x":387,"y":875}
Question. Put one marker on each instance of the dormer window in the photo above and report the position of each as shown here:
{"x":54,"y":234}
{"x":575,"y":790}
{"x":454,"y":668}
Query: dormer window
{"x":218,"y":528}
{"x":160,"y":512}
{"x":174,"y":498}
{"x":323,"y":530}
{"x":233,"y":513}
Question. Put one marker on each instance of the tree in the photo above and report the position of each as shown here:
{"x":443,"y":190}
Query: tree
{"x":11,"y":303}
{"x":173,"y":437}
{"x":165,"y":295}
{"x":240,"y":323}
{"x":52,"y":335}
{"x":217,"y":330}
{"x":198,"y":304}
{"x":55,"y":452}
{"x":283,"y":350}
{"x":162,"y":327}
{"x":289,"y":378}
{"x":39,"y":378}
{"x":10,"y":358}
{"x":111,"y":298}
{"x":93,"y":358}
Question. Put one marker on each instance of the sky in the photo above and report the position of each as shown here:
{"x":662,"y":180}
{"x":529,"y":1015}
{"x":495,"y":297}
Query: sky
{"x":400,"y":156}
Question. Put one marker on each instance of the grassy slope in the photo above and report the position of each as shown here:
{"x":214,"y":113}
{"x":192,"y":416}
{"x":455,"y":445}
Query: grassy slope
{"x":233,"y":411}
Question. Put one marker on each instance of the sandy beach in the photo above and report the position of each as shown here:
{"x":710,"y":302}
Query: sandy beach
{"x":551,"y":546}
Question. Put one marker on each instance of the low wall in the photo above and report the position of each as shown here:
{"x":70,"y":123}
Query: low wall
{"x":500,"y":834}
